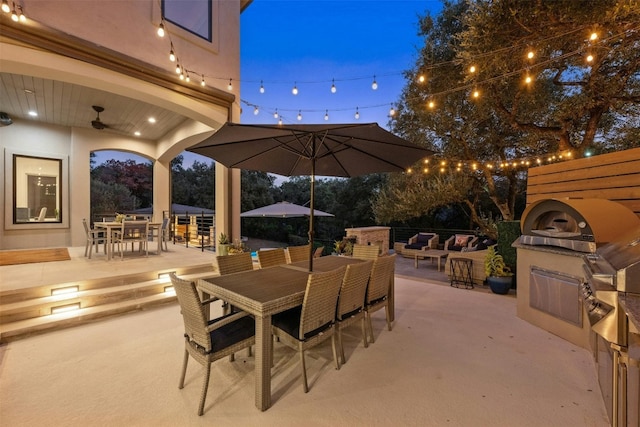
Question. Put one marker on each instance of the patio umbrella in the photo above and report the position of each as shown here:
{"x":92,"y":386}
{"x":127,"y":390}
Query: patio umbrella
{"x":341,"y":150}
{"x":282,"y":210}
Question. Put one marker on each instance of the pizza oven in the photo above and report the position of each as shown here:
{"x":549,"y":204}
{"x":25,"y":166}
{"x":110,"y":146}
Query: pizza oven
{"x":581,"y":225}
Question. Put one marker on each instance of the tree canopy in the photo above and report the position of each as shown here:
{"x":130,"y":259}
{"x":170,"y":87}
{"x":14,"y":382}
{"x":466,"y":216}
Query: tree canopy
{"x":468,"y":98}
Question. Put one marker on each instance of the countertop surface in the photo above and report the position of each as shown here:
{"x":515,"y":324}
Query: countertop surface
{"x":631,"y":305}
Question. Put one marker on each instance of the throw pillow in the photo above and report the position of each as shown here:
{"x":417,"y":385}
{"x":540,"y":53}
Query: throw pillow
{"x":461,"y":239}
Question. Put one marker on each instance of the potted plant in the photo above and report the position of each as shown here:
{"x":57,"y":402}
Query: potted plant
{"x":499,"y":276}
{"x":223,"y":244}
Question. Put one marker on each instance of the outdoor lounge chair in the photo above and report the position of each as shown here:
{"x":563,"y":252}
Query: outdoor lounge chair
{"x":351,"y":301}
{"x":209,"y":340}
{"x":305,"y":326}
{"x":419,"y":242}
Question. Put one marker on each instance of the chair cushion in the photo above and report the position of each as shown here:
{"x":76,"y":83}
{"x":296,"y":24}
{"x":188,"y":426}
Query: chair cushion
{"x":424,"y":238}
{"x":457,"y":248}
{"x":232,"y":333}
{"x":415,"y":246}
{"x":289,"y":322}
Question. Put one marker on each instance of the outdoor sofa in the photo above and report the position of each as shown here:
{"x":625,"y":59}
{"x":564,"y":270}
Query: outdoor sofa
{"x":476,"y":254}
{"x":420,"y":242}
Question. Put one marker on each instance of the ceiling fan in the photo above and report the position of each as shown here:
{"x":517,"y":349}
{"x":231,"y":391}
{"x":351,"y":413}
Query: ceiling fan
{"x":97,"y":123}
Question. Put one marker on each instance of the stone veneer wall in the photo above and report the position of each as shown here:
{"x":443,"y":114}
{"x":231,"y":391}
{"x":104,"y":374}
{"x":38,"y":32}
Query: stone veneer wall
{"x":371,"y":236}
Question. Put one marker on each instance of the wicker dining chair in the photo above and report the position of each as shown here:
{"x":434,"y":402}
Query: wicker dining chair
{"x":209,"y":340}
{"x":236,"y":263}
{"x":306,"y":326}
{"x":378,"y":289}
{"x":318,"y":252}
{"x":365,"y":251}
{"x":298,"y":253}
{"x":351,"y":301}
{"x":272,"y":257}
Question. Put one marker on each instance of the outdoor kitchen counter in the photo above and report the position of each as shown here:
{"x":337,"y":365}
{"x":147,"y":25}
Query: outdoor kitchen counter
{"x":549,"y":249}
{"x":631,"y":306}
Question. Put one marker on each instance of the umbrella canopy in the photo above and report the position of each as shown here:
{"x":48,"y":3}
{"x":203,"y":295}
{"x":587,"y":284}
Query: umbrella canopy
{"x":283,"y":210}
{"x":342,"y":150}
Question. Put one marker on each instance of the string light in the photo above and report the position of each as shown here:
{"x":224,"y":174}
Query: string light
{"x":472,"y":69}
{"x":333,"y":86}
{"x":295,"y":89}
{"x":172,"y":56}
{"x":161,"y":30}
{"x":431,"y":104}
{"x":299,"y":115}
{"x":202,"y":83}
{"x":475,"y":94}
{"x":188,"y":78}
{"x":256,"y":111}
{"x":14,"y":14}
{"x":230,"y":85}
{"x":374,"y":85}
{"x":530,"y":54}
{"x":261,"y":87}
{"x":357,"y":115}
{"x":326,"y":115}
{"x":421,"y":78}
{"x":392,"y":112}
{"x":280,"y":120}
{"x":5,"y":6}
{"x":589,"y":58}
{"x":178,"y":66}
{"x":275,"y":115}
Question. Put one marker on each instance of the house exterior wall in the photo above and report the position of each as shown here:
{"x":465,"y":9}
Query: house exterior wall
{"x":125,"y":31}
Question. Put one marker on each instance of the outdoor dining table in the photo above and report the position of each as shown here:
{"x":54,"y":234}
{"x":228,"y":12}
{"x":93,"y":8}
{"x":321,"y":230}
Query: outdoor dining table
{"x":263,"y":293}
{"x":109,"y":226}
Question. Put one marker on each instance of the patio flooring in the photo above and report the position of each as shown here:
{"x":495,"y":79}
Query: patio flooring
{"x":455,"y":357}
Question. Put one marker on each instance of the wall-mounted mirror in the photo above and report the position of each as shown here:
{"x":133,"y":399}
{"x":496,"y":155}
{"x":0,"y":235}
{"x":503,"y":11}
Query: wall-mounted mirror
{"x":37,"y":189}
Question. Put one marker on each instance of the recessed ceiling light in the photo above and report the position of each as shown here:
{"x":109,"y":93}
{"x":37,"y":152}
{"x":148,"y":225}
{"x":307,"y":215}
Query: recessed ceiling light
{"x":136,"y":133}
{"x":33,"y":113}
{"x":152,"y":119}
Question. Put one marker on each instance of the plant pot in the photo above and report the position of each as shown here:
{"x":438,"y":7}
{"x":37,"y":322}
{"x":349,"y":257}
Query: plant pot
{"x":223,"y":249}
{"x":500,"y":285}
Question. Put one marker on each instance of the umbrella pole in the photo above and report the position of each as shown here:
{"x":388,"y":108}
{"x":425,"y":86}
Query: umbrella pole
{"x":312,"y":204}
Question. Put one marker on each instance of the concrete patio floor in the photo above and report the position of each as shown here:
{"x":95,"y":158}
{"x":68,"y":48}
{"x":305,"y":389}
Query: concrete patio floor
{"x":455,"y":357}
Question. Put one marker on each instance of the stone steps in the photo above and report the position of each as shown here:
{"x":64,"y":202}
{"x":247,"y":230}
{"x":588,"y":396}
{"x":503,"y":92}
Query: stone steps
{"x":29,"y":312}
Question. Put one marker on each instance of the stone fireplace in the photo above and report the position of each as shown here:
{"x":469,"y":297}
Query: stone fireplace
{"x":377,"y":236}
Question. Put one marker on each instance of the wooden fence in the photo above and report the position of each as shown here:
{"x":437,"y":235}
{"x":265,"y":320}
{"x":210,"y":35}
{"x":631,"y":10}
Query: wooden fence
{"x":614,"y":176}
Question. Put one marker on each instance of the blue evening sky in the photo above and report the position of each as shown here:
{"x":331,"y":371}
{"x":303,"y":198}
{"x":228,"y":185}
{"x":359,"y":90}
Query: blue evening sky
{"x":310,"y":43}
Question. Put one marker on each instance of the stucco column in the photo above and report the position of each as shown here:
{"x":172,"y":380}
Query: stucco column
{"x":161,"y":188}
{"x":227,"y":202}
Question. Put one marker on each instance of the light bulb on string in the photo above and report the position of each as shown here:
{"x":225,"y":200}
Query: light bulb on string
{"x":392,"y":112}
{"x":181,"y":76}
{"x":422,"y":78}
{"x":172,"y":56}
{"x":187,"y":78}
{"x":177,"y":66}
{"x":530,"y":54}
{"x":161,"y":30}
{"x":261,"y":87}
{"x":326,"y":115}
{"x":22,"y":17}
{"x":475,"y":94}
{"x":14,"y":14}
{"x":280,"y":120}
{"x":299,"y":115}
{"x":589,"y":57}
{"x":256,"y":111}
{"x":275,"y":115}
{"x":472,"y":69}
{"x":295,"y":89}
{"x":202,"y":83}
{"x":431,"y":104}
{"x":230,"y":85}
{"x":333,"y":86}
{"x":374,"y":85}
{"x":593,"y":37}
{"x":5,"y":6}
{"x":357,"y":116}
